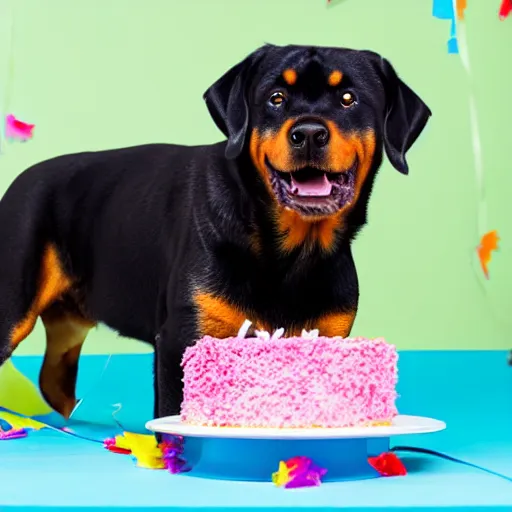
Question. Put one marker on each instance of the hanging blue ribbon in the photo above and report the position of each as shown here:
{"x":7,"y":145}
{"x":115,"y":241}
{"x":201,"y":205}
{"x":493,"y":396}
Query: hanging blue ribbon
{"x":443,"y":10}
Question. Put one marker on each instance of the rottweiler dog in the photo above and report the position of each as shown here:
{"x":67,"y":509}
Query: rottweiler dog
{"x":167,"y":243}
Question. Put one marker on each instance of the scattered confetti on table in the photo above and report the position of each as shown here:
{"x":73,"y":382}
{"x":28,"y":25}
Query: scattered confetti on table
{"x":298,"y":472}
{"x":172,"y":449}
{"x":142,"y":447}
{"x":388,"y":464}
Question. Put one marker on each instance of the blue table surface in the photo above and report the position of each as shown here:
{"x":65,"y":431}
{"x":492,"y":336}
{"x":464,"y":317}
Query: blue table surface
{"x":471,"y":391}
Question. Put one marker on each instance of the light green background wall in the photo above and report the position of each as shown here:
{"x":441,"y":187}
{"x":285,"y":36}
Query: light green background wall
{"x":95,"y":74}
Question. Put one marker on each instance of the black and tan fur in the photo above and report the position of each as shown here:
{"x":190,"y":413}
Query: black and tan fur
{"x":166,"y":243}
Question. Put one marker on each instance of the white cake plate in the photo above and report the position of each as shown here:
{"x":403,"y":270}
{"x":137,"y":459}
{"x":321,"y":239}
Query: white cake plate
{"x":402,"y":424}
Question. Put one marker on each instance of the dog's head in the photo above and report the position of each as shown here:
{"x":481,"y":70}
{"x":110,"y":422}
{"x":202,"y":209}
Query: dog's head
{"x":314,"y":122}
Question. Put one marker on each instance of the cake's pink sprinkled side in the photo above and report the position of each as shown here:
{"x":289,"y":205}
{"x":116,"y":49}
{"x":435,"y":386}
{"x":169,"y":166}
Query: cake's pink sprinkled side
{"x":289,"y":382}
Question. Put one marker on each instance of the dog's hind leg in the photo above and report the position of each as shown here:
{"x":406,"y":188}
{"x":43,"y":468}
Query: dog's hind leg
{"x":46,"y":295}
{"x":30,"y":284}
{"x":66,"y":330}
{"x":27,"y":288}
{"x":35,"y":281}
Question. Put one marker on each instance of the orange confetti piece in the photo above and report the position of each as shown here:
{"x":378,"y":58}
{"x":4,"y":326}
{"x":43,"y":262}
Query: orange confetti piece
{"x":488,"y":244}
{"x":460,"y":7}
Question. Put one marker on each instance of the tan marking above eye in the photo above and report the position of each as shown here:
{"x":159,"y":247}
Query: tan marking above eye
{"x":335,"y":78}
{"x":290,"y":76}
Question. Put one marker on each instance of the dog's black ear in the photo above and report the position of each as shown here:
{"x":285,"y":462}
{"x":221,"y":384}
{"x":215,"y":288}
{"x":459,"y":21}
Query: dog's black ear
{"x":227,"y":102}
{"x":406,"y":116}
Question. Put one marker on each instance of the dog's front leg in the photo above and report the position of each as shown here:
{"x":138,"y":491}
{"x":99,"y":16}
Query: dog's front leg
{"x":178,"y":333}
{"x":204,"y":314}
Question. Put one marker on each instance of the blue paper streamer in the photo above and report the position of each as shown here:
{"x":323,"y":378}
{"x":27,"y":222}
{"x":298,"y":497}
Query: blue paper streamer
{"x":443,"y":10}
{"x":426,"y":451}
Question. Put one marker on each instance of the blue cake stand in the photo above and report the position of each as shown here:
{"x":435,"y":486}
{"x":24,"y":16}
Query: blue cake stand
{"x":253,"y":454}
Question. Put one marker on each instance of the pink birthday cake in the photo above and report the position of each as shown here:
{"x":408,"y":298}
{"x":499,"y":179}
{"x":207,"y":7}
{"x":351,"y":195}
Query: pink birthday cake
{"x":297,"y":382}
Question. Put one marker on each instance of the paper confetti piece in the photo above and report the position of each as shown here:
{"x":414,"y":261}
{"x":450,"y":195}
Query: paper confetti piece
{"x":388,"y":464}
{"x":18,"y":130}
{"x":117,"y":444}
{"x":20,"y":422}
{"x":144,"y":450}
{"x":13,"y":433}
{"x":444,"y":10}
{"x":488,"y":244}
{"x":172,"y":449}
{"x":119,"y":441}
{"x":298,"y":472}
{"x":142,"y":447}
{"x":282,"y":475}
{"x":453,"y":45}
{"x":19,"y":394}
{"x":460,"y":6}
{"x":116,"y":449}
{"x":505,"y":9}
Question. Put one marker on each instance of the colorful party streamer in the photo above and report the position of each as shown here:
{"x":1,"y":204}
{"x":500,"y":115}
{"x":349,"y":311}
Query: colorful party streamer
{"x":13,"y":433}
{"x":445,"y":456}
{"x":445,"y":10}
{"x":488,"y":239}
{"x":17,"y":422}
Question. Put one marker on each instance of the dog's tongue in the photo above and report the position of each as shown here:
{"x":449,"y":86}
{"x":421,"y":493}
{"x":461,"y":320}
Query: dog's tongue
{"x":318,"y":186}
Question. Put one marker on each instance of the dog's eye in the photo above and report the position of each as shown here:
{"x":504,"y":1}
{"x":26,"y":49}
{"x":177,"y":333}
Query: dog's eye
{"x":347,"y":99}
{"x":277,"y":99}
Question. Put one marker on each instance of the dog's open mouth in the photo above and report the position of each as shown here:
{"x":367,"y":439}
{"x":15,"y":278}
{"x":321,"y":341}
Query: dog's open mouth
{"x":312,"y":191}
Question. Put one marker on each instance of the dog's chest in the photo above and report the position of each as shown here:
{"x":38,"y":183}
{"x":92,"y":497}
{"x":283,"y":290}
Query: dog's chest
{"x":270,"y":299}
{"x":219,"y":318}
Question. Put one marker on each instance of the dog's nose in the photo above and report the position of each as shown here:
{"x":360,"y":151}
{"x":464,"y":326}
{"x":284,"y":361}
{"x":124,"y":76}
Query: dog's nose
{"x":309,"y":134}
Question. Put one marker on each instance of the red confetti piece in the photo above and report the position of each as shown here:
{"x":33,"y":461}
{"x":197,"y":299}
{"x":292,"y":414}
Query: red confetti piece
{"x":111,"y":446}
{"x":505,"y":9}
{"x":388,"y":464}
{"x":116,"y":449}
